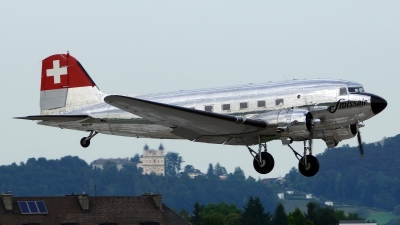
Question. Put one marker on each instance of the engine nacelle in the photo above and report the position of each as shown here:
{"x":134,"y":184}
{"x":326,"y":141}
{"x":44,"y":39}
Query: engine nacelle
{"x":294,"y":124}
{"x":340,"y":134}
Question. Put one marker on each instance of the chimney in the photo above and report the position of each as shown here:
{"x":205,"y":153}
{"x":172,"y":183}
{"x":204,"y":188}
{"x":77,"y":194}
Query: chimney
{"x":157,"y":199}
{"x":84,"y":202}
{"x":7,"y":202}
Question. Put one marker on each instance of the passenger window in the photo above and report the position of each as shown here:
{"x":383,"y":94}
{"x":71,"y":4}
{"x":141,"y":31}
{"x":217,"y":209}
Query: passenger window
{"x":343,"y":91}
{"x":261,"y":104}
{"x":226,"y":107}
{"x":208,"y":108}
{"x":243,"y":105}
{"x":279,"y":102}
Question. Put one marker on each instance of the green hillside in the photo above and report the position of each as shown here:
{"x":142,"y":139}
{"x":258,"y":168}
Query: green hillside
{"x":372,"y":181}
{"x":42,"y":177}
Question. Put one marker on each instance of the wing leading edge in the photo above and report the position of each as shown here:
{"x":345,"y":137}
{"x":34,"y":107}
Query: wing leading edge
{"x":56,"y":118}
{"x":188,"y":123}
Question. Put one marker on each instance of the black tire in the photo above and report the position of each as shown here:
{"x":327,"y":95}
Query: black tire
{"x":267,"y":164}
{"x":312,"y":166}
{"x":84,"y":143}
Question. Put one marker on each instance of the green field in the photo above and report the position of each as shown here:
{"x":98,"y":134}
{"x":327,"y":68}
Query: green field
{"x":381,"y":217}
{"x":290,"y":205}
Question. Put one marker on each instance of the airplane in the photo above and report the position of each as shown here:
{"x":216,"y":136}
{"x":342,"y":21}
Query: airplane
{"x":252,"y":114}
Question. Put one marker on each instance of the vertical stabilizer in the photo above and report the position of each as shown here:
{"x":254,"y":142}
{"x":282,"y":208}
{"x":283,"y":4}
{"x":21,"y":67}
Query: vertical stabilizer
{"x":65,"y":85}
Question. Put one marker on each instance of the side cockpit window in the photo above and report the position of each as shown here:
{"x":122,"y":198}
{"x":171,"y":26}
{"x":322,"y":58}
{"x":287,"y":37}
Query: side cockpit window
{"x":343,"y":91}
{"x":356,"y":89}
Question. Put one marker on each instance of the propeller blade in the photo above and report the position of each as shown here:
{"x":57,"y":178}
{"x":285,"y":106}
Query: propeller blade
{"x":360,"y":146}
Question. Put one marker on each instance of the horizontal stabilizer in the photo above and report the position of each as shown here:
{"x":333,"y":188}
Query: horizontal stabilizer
{"x":55,"y":118}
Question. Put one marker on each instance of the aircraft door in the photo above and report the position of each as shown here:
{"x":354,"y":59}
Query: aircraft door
{"x":342,"y":96}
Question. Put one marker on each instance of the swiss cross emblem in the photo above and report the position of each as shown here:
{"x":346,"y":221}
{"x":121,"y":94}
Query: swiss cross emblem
{"x":56,"y":72}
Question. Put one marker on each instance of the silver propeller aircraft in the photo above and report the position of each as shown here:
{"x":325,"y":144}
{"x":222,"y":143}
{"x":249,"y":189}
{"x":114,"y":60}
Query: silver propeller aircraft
{"x":251,"y":114}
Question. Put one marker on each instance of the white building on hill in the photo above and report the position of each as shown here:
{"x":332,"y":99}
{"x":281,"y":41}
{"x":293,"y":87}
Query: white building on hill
{"x":153,"y":161}
{"x":119,"y":162}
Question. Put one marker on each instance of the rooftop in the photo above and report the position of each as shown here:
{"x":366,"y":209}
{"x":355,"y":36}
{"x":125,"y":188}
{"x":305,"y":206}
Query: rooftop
{"x":82,"y":209}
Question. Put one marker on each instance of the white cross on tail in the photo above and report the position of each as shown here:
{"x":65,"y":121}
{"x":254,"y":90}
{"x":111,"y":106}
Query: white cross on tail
{"x":56,"y":72}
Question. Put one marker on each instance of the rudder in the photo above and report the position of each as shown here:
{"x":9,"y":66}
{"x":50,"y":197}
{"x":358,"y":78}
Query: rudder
{"x":65,"y":85}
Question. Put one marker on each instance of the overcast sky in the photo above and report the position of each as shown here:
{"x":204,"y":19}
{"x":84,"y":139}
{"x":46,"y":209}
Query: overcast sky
{"x":131,"y":47}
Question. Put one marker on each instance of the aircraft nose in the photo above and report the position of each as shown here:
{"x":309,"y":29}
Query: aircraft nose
{"x":378,"y":104}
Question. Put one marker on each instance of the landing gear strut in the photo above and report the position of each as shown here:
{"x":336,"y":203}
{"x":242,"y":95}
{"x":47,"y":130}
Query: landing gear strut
{"x":85,"y":141}
{"x":308,"y":164}
{"x":263,"y":162}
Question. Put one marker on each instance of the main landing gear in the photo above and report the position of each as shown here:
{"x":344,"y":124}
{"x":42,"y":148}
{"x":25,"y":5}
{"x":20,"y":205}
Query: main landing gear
{"x":263,"y":162}
{"x":85,"y":141}
{"x":308,"y":164}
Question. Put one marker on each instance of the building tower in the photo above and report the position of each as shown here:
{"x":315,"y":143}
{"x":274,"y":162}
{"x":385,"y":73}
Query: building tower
{"x":153,"y":161}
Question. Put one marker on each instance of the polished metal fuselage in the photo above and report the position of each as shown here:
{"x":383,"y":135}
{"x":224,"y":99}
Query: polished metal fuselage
{"x":270,"y":102}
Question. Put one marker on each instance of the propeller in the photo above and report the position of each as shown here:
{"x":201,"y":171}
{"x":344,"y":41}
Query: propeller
{"x":360,"y":146}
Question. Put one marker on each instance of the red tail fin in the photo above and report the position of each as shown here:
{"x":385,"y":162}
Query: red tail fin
{"x":65,"y":85}
{"x":63,"y":71}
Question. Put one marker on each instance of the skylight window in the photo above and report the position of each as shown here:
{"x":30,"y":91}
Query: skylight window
{"x":32,"y":207}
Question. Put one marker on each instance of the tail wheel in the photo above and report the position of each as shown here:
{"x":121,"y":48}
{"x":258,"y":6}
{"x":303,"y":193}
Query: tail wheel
{"x":266,"y":165}
{"x":85,"y":143}
{"x":311,"y":168}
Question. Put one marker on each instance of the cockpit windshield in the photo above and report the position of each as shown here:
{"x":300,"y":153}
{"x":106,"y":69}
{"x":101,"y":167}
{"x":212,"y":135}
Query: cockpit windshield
{"x":356,"y":89}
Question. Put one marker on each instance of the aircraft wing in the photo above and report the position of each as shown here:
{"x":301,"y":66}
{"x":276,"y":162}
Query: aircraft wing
{"x":56,"y":118}
{"x":187,"y":123}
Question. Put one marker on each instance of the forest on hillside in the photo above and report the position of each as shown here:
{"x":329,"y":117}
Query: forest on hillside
{"x":253,"y":213}
{"x":42,"y":177}
{"x":372,"y":181}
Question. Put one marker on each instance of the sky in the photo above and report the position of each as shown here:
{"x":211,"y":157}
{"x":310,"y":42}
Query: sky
{"x":133,"y":47}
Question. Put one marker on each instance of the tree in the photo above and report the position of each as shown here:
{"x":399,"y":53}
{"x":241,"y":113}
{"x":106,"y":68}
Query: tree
{"x":222,"y":213}
{"x":210,"y":171}
{"x":221,"y":207}
{"x":291,"y":176}
{"x":254,"y":213}
{"x":233,"y":219}
{"x":296,"y":217}
{"x":238,"y":174}
{"x":172,"y":163}
{"x":184,"y":214}
{"x":280,"y":217}
{"x":312,"y":211}
{"x":196,"y":214}
{"x":214,"y":219}
{"x":109,"y":165}
{"x":135,"y":158}
{"x":188,"y":167}
{"x":326,"y":216}
{"x":219,"y":170}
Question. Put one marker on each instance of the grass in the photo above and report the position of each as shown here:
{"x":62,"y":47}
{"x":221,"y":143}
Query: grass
{"x":290,"y":205}
{"x":381,"y":218}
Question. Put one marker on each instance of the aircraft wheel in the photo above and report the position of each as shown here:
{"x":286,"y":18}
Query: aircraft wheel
{"x":311,"y":168}
{"x":266,"y":165}
{"x":84,"y":143}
